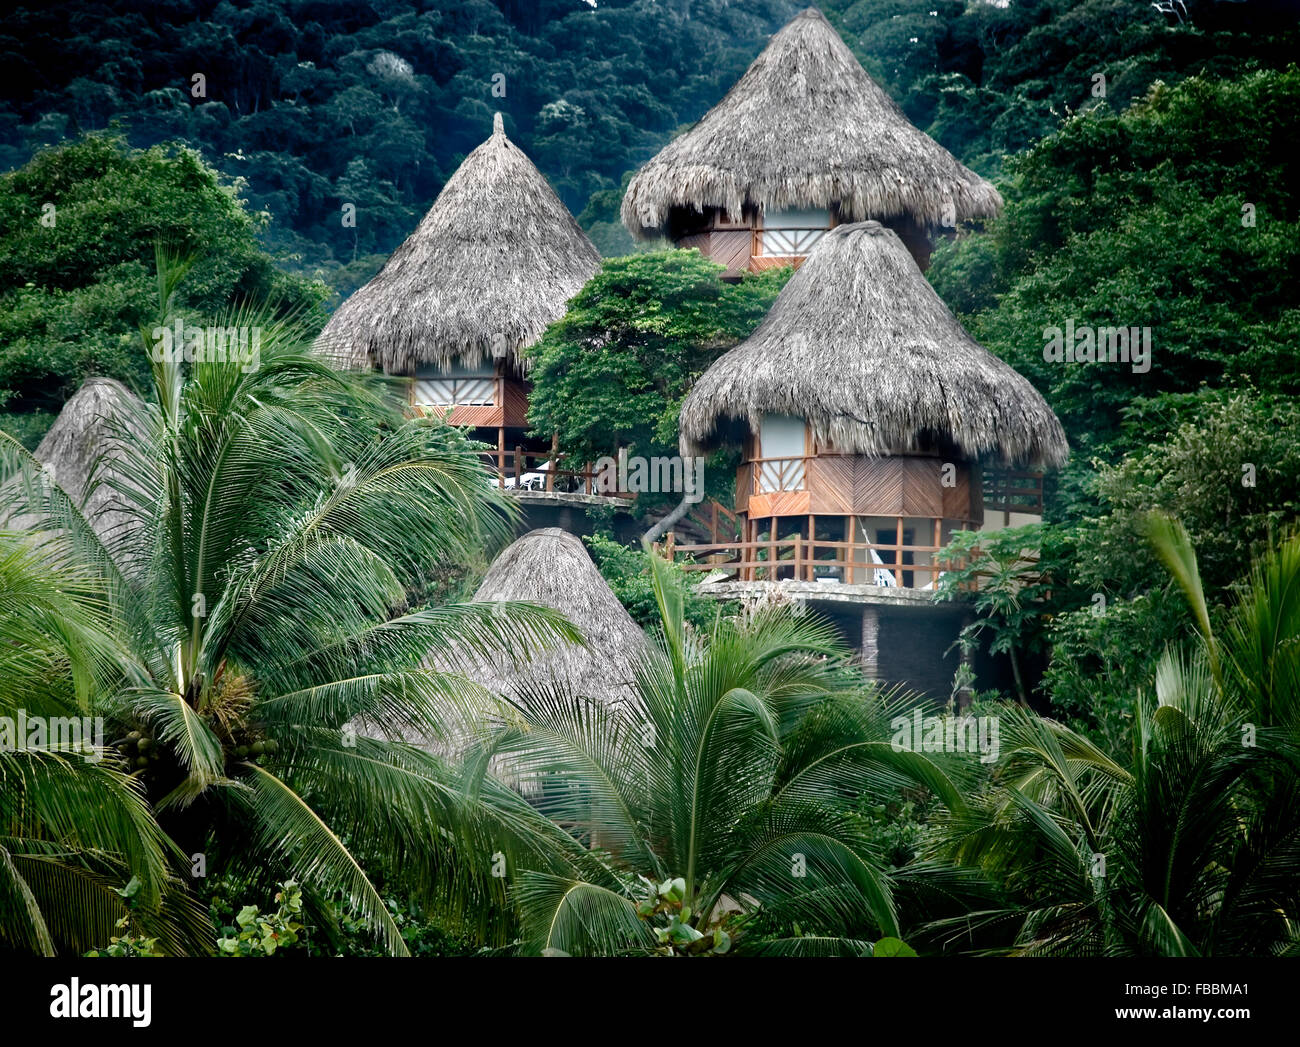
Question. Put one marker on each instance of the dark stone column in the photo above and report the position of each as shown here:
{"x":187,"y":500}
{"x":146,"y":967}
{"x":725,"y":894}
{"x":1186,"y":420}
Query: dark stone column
{"x":871,"y":641}
{"x":967,"y":659}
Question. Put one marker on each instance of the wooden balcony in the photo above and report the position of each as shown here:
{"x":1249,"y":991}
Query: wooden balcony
{"x":474,"y":402}
{"x":799,"y":559}
{"x":548,"y":472}
{"x":774,"y":248}
{"x":829,"y":484}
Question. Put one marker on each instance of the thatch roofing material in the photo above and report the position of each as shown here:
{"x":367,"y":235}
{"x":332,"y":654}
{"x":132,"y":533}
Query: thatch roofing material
{"x":90,"y":424}
{"x":859,"y":345}
{"x":806,"y":126}
{"x":491,"y":265}
{"x":551,"y":567}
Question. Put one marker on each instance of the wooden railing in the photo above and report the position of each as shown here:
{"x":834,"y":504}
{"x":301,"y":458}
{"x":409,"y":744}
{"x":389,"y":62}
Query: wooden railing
{"x":1007,"y":491}
{"x":786,"y":243}
{"x":714,"y":519}
{"x":799,"y":559}
{"x":450,"y":392}
{"x":768,"y":475}
{"x":521,"y":470}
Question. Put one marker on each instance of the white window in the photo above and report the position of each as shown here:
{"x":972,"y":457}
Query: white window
{"x":792,"y":233}
{"x":458,"y":384}
{"x":781,"y":446}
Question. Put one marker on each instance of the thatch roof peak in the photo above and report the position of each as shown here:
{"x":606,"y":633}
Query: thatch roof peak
{"x":492,"y":264}
{"x":806,"y":126}
{"x":862,"y":347}
{"x":551,"y":567}
{"x":91,"y":424}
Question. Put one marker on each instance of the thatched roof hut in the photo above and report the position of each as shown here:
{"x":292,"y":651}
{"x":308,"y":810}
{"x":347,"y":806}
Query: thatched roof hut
{"x":806,"y":127}
{"x":860,"y":346}
{"x":491,"y":265}
{"x":551,"y":567}
{"x":90,"y":425}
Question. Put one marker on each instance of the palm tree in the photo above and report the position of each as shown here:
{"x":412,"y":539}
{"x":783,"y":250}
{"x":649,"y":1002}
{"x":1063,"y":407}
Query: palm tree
{"x":1191,"y":846}
{"x":724,"y":798}
{"x":261,"y":660}
{"x":74,"y":828}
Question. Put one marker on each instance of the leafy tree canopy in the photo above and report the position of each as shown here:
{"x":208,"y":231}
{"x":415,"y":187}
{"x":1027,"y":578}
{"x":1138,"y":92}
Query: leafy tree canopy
{"x":613,"y":371}
{"x":78,"y":229}
{"x":317,"y":105}
{"x":1177,"y":215}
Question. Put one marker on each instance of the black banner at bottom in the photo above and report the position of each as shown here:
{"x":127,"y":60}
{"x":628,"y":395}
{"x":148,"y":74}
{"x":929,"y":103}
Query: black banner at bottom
{"x":149,"y":997}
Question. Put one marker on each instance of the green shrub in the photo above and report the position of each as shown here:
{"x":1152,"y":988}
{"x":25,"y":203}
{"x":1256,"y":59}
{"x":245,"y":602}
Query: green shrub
{"x":627,"y":571}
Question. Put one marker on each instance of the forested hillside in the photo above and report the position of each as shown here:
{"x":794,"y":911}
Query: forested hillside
{"x":237,"y":567}
{"x":314,"y":104}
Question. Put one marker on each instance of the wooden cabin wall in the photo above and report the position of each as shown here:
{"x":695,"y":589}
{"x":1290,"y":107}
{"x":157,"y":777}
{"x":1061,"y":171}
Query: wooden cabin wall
{"x":734,"y":242}
{"x":854,"y":485}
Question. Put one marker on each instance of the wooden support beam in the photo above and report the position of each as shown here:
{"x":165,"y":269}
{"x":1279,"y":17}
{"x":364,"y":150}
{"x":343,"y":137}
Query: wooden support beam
{"x":773,"y":552}
{"x":812,"y":547}
{"x":898,"y":554}
{"x":934,"y":556}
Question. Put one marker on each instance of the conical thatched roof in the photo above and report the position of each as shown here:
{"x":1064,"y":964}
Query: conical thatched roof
{"x":487,"y":269}
{"x":90,"y":424}
{"x":859,"y":345}
{"x":806,"y":126}
{"x":551,"y":567}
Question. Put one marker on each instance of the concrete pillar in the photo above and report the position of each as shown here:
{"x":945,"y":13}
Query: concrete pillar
{"x":871,"y":642}
{"x":968,"y":660}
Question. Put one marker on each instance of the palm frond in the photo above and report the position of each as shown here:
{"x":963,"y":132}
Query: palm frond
{"x":290,"y":828}
{"x":575,"y":918}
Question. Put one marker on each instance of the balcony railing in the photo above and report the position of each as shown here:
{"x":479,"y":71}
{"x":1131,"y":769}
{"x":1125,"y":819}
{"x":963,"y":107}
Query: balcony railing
{"x":1006,"y":491}
{"x":788,"y":243}
{"x":769,"y":475}
{"x":521,"y":470}
{"x":476,"y":391}
{"x":799,"y":559}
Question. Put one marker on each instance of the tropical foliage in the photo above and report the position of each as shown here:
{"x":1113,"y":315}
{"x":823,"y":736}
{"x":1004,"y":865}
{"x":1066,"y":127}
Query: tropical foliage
{"x":282,"y":555}
{"x":80,"y":225}
{"x":1187,"y":842}
{"x":316,"y":105}
{"x":720,"y":807}
{"x":246,"y":634}
{"x":73,"y":831}
{"x":614,"y":371}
